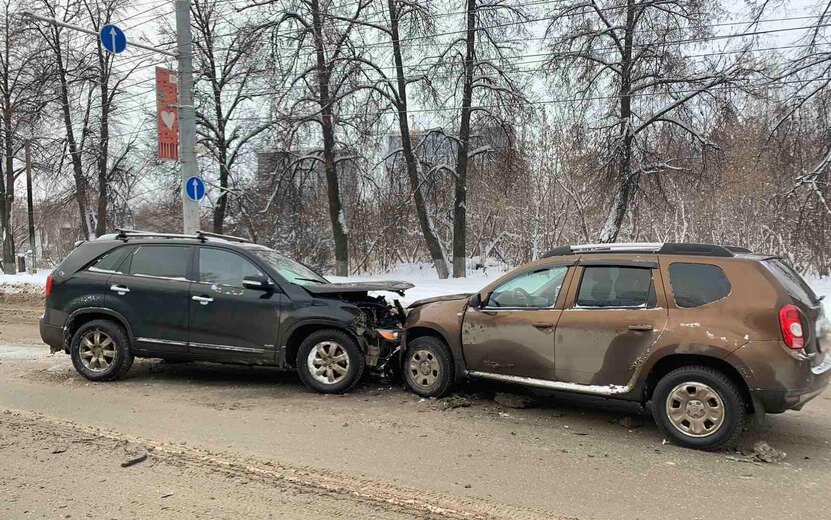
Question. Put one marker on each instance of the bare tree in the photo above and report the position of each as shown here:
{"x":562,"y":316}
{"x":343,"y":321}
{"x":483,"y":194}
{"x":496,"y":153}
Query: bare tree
{"x":322,"y":66}
{"x":479,"y":64}
{"x":227,"y":58}
{"x":635,"y":49}
{"x":23,"y":71}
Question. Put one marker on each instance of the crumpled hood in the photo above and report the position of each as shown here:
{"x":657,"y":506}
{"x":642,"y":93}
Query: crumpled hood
{"x":446,"y":298}
{"x":359,"y":287}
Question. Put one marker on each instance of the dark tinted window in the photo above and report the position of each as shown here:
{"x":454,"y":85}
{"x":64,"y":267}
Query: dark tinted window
{"x":791,"y":281}
{"x":538,"y":289}
{"x":616,"y":287}
{"x":164,"y":261}
{"x":694,"y":285}
{"x":110,"y":262}
{"x":224,"y":267}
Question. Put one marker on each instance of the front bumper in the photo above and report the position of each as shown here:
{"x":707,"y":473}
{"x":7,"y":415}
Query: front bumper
{"x":52,"y":335}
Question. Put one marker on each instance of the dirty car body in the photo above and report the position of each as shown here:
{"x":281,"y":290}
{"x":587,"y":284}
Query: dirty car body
{"x":215,"y":298}
{"x":616,"y":321}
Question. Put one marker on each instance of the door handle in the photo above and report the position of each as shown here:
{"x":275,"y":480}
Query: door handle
{"x":645,"y":328}
{"x":203,"y":300}
{"x":542,"y":325}
{"x":120,"y":289}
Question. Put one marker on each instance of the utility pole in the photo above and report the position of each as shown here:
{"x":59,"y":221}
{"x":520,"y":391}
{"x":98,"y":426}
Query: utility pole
{"x":187,"y":115}
{"x":30,"y":207}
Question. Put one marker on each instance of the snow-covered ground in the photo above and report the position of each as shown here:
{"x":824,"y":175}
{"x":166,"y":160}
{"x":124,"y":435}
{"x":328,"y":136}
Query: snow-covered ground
{"x":427,"y":284}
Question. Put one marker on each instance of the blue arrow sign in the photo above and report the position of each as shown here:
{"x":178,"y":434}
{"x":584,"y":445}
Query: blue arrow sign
{"x":195,"y":188}
{"x":113,"y":39}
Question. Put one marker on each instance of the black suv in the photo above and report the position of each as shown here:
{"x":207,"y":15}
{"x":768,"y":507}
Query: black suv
{"x":215,"y":298}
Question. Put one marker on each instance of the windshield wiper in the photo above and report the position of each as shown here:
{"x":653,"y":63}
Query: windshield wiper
{"x":312,"y":280}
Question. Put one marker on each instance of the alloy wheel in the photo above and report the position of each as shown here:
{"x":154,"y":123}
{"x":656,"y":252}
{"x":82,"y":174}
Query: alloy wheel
{"x":97,"y":350}
{"x":328,"y":362}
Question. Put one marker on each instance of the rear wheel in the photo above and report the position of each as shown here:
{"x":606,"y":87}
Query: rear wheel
{"x":100,"y":350}
{"x":428,"y":367}
{"x":329,"y":361}
{"x":698,"y":407}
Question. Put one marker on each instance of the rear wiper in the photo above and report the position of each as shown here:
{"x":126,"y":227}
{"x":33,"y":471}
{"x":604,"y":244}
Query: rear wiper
{"x":311,"y":280}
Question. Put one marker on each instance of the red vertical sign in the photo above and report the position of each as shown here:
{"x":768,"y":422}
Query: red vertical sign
{"x":167,"y":114}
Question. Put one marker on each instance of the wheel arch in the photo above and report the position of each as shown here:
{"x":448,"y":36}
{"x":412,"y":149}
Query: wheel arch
{"x":425,"y":329}
{"x":670,"y":362}
{"x":82,"y":316}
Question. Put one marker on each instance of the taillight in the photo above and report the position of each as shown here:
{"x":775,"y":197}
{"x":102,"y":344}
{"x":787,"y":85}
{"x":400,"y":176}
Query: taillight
{"x":791,"y":324}
{"x":48,"y":290}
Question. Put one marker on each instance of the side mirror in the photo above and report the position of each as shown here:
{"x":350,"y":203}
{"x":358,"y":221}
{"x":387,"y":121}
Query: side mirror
{"x":476,"y":301}
{"x":258,"y":283}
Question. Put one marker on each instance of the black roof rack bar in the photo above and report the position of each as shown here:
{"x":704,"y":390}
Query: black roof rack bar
{"x":124,"y":234}
{"x":675,"y":248}
{"x":206,"y":234}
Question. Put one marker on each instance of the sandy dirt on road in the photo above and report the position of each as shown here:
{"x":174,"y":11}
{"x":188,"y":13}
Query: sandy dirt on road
{"x":233,"y":442}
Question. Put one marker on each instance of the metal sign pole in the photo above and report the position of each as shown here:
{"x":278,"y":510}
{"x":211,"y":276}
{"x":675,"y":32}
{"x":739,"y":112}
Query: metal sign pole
{"x":187,"y":116}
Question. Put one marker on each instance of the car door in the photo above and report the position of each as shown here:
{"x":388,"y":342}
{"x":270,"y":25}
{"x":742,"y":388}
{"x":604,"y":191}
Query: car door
{"x":228,"y":320}
{"x":615,"y":312}
{"x":151,"y":290}
{"x":512,"y":333}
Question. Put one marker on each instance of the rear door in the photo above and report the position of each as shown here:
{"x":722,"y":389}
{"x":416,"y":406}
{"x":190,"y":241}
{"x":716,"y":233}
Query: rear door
{"x":226,"y":319}
{"x":513,"y":333}
{"x":615,"y":311}
{"x":152,"y":291}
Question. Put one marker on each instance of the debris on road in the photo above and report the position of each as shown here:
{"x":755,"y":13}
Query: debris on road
{"x":629,"y":422}
{"x":454,"y":401}
{"x":513,"y":400}
{"x":134,"y":458}
{"x":762,"y":452}
{"x":60,"y":449}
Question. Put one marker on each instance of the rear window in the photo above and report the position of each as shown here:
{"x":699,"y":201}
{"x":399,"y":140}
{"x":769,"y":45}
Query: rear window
{"x":694,"y":285}
{"x":161,"y":261}
{"x":791,"y":281}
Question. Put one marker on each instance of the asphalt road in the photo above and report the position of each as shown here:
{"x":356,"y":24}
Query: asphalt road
{"x":227,"y":441}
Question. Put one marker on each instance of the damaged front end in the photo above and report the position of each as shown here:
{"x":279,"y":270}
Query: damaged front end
{"x":379,"y":322}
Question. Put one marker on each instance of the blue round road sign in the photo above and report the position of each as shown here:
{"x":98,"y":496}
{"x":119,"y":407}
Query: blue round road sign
{"x":113,"y":39}
{"x":195,"y":188}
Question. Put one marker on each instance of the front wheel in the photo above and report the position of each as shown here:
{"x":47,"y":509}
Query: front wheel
{"x":698,"y":407}
{"x":330,"y":362}
{"x":428,"y":367}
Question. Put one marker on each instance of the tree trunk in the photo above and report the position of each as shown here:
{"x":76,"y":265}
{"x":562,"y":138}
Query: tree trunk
{"x":339,"y":230}
{"x":627,"y":181}
{"x":9,"y":264}
{"x":74,"y":152}
{"x":433,"y":245}
{"x":460,"y":196}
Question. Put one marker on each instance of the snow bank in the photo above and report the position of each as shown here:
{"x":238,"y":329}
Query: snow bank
{"x":23,"y":282}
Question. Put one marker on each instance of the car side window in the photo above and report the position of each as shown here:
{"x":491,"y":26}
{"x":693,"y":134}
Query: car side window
{"x":220,"y":267}
{"x":534,"y":290}
{"x":694,"y":285}
{"x":161,"y":261}
{"x":610,"y":286}
{"x":111,"y":261}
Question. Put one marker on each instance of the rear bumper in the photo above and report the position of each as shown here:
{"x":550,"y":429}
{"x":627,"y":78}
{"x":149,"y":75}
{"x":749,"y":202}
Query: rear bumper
{"x":51,"y":335}
{"x":777,"y":379}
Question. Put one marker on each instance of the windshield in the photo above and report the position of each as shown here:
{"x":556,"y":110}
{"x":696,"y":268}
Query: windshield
{"x":292,"y":271}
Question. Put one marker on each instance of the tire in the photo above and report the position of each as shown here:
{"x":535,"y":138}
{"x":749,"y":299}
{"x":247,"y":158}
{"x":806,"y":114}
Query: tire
{"x":428,"y":367}
{"x":339,"y":357}
{"x":709,"y":408}
{"x":94,"y":359}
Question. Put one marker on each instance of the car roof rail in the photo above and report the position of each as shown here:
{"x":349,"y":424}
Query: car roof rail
{"x":665,"y":248}
{"x":203,"y":236}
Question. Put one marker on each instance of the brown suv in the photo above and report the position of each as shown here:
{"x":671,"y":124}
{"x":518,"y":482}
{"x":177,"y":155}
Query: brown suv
{"x":707,"y":333}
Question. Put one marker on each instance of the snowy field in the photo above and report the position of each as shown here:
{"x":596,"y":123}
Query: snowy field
{"x":427,"y":284}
